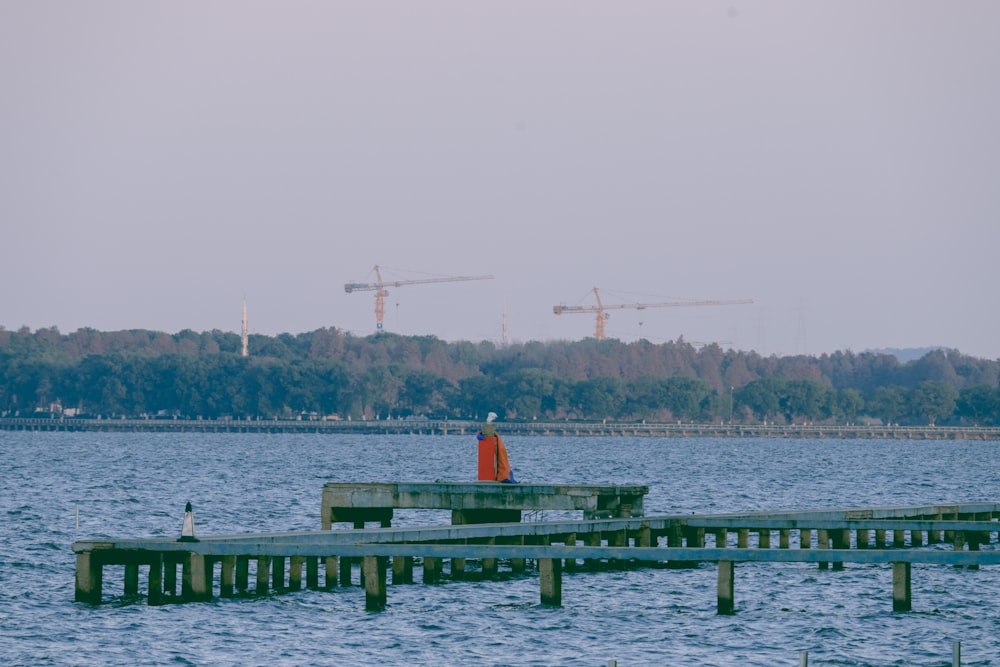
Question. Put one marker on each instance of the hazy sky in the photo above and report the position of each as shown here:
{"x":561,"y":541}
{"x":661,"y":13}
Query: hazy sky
{"x":836,"y":162}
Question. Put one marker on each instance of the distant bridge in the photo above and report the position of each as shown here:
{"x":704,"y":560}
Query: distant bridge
{"x":541,"y":428}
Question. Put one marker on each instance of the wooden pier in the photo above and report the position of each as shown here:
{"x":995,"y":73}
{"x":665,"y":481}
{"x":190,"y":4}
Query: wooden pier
{"x":899,"y":537}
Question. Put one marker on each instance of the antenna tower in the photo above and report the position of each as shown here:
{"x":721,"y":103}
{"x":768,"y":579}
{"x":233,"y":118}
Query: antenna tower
{"x":246,"y":337}
{"x":504,"y":335}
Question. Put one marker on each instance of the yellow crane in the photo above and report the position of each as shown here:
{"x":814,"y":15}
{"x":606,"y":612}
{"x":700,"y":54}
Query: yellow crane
{"x":379,"y":287}
{"x":601,"y":308}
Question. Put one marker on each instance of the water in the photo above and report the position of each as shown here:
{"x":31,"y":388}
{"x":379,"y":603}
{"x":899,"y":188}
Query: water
{"x":131,"y":485}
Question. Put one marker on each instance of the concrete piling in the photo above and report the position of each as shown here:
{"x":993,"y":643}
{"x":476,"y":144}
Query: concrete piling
{"x":727,"y":584}
{"x":195,"y":580}
{"x":295,"y":564}
{"x":242,"y":573}
{"x":402,"y":569}
{"x":89,"y":575}
{"x":550,"y":581}
{"x":375,"y":589}
{"x":227,"y":587}
{"x":901,"y":595}
{"x":156,"y":580}
{"x":278,"y":573}
{"x":263,"y":575}
{"x":169,"y":577}
{"x":332,"y":566}
{"x":131,"y":578}
{"x":432,"y":570}
{"x":312,"y":573}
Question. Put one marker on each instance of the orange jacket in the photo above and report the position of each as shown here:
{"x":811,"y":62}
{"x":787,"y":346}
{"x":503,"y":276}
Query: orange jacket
{"x":493,"y":462}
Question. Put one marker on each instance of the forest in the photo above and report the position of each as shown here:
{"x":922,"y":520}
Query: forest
{"x":331,"y":374}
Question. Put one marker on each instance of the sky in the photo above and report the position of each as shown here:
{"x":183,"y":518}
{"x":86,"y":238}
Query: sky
{"x":836,"y":162}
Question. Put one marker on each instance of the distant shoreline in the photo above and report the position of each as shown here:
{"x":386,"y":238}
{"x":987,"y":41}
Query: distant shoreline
{"x":533,"y":428}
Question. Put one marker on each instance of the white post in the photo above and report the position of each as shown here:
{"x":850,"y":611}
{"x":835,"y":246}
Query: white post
{"x":803,"y":658}
{"x":956,"y":654}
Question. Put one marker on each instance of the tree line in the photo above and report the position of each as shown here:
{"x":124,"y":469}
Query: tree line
{"x":330,"y":373}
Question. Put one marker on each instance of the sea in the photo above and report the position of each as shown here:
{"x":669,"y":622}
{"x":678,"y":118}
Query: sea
{"x":60,"y":487}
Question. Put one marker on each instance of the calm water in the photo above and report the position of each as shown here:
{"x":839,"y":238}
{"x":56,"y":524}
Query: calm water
{"x":131,"y":485}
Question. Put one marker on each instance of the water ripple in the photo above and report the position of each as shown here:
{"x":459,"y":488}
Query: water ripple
{"x":129,"y":485}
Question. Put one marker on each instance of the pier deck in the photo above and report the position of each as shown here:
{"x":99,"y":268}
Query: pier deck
{"x":473,"y":502}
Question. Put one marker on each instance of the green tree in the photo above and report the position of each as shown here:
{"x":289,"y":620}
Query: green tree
{"x":760,"y":398}
{"x":809,"y":400}
{"x":600,"y":398}
{"x":849,"y":404}
{"x":979,"y":404}
{"x":889,"y":403}
{"x":933,"y":400}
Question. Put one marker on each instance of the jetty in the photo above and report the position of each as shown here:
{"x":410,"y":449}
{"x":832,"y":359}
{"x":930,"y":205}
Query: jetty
{"x":576,"y":429}
{"x":474,"y":502}
{"x":956,"y":535}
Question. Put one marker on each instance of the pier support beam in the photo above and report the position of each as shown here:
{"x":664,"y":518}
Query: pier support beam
{"x":169,"y":577}
{"x":131,"y":578}
{"x":805,"y":538}
{"x":346,"y":565}
{"x":263,"y":570}
{"x":727,"y":583}
{"x":332,"y":566}
{"x":432,"y":570}
{"x":490,"y":565}
{"x":402,"y":569}
{"x":89,"y":576}
{"x":312,"y":573}
{"x":242,"y":573}
{"x":841,"y":540}
{"x":278,"y":573}
{"x":374,"y":568}
{"x":194,"y":579}
{"x":227,"y":587}
{"x":518,"y":564}
{"x":550,"y":580}
{"x":901,"y":596}
{"x":593,"y":540}
{"x":156,"y":580}
{"x":295,"y":572}
{"x":570,"y":563}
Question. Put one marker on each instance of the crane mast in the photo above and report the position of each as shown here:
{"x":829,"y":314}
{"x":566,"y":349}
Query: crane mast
{"x":379,"y":287}
{"x":601,"y":308}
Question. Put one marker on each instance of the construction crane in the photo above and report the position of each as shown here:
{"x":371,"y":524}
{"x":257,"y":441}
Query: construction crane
{"x":379,"y":287}
{"x":601,"y":308}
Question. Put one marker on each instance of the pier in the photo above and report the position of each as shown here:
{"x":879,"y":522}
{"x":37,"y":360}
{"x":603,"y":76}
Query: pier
{"x":957,"y":535}
{"x":526,"y":428}
{"x":473,"y":502}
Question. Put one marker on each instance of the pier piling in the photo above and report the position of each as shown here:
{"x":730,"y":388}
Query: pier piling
{"x":727,"y":584}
